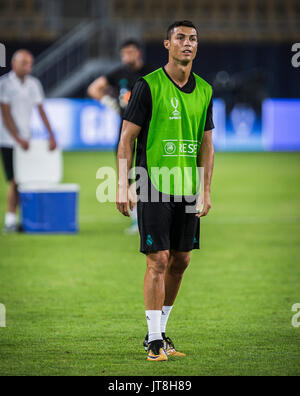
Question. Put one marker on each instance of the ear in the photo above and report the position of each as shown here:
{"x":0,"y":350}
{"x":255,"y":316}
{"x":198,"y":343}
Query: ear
{"x":167,"y":44}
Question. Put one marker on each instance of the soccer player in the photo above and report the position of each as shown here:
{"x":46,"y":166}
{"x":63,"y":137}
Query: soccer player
{"x":170,"y":114}
{"x":19,"y":93}
{"x":119,"y":84}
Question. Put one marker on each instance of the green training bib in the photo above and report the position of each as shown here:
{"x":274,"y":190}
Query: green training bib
{"x":175,"y":133}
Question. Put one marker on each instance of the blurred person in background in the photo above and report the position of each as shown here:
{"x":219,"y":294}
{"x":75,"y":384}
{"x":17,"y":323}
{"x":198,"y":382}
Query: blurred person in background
{"x":19,"y":93}
{"x":119,"y":84}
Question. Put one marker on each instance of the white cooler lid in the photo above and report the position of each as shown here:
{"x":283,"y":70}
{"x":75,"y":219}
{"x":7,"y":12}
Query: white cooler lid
{"x":47,"y":188}
{"x":38,"y":164}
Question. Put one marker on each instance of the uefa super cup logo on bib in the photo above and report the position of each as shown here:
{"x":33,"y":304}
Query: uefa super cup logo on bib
{"x":175,"y":113}
{"x":175,"y":103}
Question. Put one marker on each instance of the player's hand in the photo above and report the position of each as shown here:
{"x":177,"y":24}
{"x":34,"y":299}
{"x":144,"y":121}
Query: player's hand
{"x":52,"y":144}
{"x":206,"y":206}
{"x":24,"y":144}
{"x":109,"y":101}
{"x":125,"y":201}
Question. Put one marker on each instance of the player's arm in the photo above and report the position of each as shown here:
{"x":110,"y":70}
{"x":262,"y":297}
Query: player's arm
{"x":52,"y":141}
{"x":206,"y":161}
{"x":98,"y":88}
{"x":137,"y":112}
{"x":129,"y":134}
{"x":10,"y":125}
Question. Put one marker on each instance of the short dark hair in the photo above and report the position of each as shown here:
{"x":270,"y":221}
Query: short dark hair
{"x":129,"y":42}
{"x":177,"y":24}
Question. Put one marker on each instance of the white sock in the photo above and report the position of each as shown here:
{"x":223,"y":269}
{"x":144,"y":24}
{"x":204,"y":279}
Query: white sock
{"x":164,"y":317}
{"x":10,"y":219}
{"x":153,"y":320}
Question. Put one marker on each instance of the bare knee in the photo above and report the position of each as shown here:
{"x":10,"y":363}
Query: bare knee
{"x":179,"y":263}
{"x":157,"y":263}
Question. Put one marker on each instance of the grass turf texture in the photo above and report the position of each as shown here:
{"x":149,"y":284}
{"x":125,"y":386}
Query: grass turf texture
{"x":75,"y":303}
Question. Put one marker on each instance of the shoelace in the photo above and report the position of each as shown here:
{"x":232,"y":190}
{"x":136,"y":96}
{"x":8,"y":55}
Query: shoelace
{"x":169,"y":341}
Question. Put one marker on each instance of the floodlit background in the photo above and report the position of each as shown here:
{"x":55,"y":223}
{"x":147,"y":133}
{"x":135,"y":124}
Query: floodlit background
{"x":245,"y":53}
{"x":74,"y":303}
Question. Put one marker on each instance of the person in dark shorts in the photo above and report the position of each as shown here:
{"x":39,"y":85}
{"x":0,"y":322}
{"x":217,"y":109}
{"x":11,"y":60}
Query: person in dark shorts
{"x":19,"y":93}
{"x":115,"y":88}
{"x":7,"y":161}
{"x":10,"y":222}
{"x":170,"y":115}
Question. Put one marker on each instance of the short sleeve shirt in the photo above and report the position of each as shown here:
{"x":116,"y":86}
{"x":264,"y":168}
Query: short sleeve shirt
{"x":122,"y":81}
{"x":22,"y":97}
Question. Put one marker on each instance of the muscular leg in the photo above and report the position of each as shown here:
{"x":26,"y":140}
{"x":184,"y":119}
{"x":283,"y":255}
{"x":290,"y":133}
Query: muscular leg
{"x":154,"y":283}
{"x":177,"y":265}
{"x":154,"y":292}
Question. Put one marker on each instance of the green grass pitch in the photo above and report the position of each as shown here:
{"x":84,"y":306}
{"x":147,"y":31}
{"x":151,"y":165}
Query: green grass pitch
{"x":75,"y":303}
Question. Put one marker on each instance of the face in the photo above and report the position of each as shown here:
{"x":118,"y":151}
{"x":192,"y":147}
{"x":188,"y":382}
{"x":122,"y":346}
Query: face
{"x":22,"y":64}
{"x":183,"y":44}
{"x":130,"y":55}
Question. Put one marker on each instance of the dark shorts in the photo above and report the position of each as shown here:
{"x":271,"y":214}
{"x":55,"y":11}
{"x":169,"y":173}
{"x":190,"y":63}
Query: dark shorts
{"x":167,"y":226}
{"x":7,"y":160}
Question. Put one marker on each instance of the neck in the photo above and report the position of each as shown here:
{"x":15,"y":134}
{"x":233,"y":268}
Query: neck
{"x":138,"y":65}
{"x":21,"y":78}
{"x":179,"y":72}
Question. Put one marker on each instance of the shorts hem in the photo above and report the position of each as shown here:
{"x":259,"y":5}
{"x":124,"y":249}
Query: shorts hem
{"x":148,"y":251}
{"x":151,"y":250}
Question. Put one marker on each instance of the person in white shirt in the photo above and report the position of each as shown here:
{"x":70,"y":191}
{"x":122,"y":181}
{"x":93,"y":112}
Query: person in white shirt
{"x":19,"y":93}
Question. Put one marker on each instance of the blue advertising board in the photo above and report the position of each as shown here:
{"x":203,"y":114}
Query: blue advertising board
{"x":240,"y":130}
{"x":79,"y":124}
{"x":281,"y":124}
{"x":84,"y":124}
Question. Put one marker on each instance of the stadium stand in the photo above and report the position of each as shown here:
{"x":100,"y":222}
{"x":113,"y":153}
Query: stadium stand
{"x":25,"y":20}
{"x":83,"y":38}
{"x":222,"y":20}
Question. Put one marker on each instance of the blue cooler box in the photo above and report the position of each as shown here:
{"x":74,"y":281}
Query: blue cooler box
{"x":49,"y":209}
{"x":46,"y":205}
